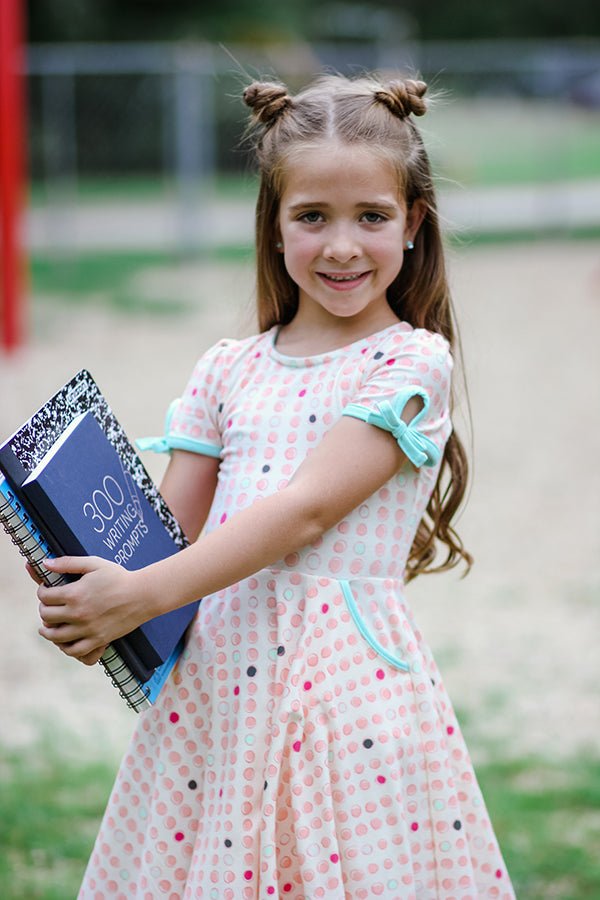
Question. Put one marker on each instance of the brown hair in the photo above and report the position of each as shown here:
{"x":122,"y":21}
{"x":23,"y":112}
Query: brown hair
{"x":380,"y":116}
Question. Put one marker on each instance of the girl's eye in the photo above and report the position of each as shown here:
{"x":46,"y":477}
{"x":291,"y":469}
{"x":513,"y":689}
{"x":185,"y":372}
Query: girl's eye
{"x":311,"y":217}
{"x":373,"y":218}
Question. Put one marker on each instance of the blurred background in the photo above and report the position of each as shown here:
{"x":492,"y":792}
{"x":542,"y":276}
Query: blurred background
{"x":137,"y":244}
{"x":137,"y":102}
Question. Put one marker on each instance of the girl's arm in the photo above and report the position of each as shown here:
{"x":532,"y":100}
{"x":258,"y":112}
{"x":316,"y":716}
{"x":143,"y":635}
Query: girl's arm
{"x":352,"y":462}
{"x":189,"y":486}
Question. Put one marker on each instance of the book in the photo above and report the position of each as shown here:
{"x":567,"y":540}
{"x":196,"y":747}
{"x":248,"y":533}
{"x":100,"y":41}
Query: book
{"x":149,"y":653}
{"x":33,"y":546}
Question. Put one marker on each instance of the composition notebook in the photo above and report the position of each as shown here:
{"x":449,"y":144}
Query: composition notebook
{"x":71,"y":482}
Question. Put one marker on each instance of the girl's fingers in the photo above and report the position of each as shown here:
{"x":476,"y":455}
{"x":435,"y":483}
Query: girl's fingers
{"x":32,"y":573}
{"x":73,"y":565}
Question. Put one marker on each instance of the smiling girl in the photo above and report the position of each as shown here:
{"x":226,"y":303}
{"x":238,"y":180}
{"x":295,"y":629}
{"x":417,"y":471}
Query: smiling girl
{"x":305,"y":747}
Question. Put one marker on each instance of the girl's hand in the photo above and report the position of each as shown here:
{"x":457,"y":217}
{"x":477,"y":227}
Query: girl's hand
{"x":84,"y":616}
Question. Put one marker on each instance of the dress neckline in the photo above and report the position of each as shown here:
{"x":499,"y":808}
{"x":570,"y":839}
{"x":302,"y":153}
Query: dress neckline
{"x":297,"y":362}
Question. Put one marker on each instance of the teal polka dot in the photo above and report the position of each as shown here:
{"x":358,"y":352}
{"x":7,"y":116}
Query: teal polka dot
{"x":392,"y":884}
{"x":124,"y":875}
{"x":445,"y":846}
{"x":288,"y":594}
{"x":160,"y":768}
{"x":438,"y":804}
{"x":249,"y":738}
{"x":245,"y":482}
{"x":359,"y":548}
{"x":416,"y":667}
{"x":210,"y":759}
{"x":236,"y":656}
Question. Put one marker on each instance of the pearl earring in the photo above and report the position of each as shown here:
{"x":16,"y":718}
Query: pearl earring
{"x":410,"y":245}
{"x":279,"y":245}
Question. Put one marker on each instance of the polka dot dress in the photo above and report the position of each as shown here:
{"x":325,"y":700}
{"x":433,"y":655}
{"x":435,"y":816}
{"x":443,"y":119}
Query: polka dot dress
{"x":305,"y":746}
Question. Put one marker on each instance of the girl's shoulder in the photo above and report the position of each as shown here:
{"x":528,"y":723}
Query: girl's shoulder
{"x":231,"y":351}
{"x":402,"y":340}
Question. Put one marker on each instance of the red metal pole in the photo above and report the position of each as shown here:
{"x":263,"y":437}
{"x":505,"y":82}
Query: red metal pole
{"x":12,"y":169}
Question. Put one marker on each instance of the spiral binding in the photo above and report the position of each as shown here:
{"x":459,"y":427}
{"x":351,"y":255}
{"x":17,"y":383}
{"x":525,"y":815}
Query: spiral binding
{"x":31,"y":544}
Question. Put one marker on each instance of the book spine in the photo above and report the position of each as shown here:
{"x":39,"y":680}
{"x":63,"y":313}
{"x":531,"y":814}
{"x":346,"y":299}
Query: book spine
{"x":34,"y":548}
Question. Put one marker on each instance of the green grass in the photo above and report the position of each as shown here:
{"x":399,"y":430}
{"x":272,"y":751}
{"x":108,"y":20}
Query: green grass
{"x":109,"y":279}
{"x":546,"y":816}
{"x":49,"y":816}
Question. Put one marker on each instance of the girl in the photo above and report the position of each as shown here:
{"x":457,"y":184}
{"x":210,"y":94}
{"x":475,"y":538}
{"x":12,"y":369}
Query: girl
{"x":305,"y":746}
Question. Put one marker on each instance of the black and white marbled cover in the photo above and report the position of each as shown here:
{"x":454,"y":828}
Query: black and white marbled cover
{"x":33,"y":439}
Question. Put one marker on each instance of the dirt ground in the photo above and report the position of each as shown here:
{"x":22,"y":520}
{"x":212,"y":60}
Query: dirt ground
{"x":517,"y":641}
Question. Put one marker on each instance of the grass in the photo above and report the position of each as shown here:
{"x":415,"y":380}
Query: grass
{"x":546,"y":816}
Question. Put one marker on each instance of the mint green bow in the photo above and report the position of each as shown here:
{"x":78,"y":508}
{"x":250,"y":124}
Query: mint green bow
{"x":418,"y":448}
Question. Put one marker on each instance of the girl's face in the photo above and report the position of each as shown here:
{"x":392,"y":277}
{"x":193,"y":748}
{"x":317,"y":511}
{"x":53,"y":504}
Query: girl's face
{"x":343,"y":226}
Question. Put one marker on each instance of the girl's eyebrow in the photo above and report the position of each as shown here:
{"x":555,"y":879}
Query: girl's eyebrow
{"x":379,"y":204}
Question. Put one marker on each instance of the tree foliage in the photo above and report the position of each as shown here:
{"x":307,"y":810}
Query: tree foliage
{"x":272,"y":20}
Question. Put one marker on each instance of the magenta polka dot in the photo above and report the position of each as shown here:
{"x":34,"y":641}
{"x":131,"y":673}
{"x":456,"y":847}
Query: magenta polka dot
{"x":174,"y":717}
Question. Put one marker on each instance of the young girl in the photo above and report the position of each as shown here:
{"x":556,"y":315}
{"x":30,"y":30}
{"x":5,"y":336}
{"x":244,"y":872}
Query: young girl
{"x":305,"y":746}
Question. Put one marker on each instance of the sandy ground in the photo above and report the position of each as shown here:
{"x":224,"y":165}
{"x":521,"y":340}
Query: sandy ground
{"x":517,"y":641}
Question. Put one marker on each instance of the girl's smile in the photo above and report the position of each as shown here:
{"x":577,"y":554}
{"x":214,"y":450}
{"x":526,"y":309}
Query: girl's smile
{"x":343,"y":225}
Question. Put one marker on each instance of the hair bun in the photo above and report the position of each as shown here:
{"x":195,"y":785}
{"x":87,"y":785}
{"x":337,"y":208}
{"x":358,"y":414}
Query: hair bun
{"x":403,"y":98}
{"x":267,"y":100}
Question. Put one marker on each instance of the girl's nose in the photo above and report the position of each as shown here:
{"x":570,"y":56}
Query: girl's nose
{"x":340,"y":245}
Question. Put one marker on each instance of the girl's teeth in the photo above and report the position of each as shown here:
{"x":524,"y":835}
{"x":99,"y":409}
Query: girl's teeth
{"x":342,"y":277}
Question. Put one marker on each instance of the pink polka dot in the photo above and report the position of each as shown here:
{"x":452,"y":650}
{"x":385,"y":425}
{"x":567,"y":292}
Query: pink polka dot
{"x":414,"y":826}
{"x":297,"y":745}
{"x":380,"y":674}
{"x":248,"y":874}
{"x":179,"y":835}
{"x":174,"y":717}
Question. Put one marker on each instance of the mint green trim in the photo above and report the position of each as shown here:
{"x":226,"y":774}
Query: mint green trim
{"x":362,"y":627}
{"x":417,"y":447}
{"x":179,"y":442}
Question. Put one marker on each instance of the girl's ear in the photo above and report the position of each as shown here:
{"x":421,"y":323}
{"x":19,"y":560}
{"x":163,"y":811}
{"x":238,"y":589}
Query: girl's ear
{"x":414,"y":218}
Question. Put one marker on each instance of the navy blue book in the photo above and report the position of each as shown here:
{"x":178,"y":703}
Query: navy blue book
{"x":91,"y":507}
{"x":31,"y":543}
{"x":123,"y":517}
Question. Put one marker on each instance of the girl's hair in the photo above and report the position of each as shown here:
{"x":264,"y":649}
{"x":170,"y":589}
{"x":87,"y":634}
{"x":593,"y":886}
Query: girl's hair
{"x":363,"y":111}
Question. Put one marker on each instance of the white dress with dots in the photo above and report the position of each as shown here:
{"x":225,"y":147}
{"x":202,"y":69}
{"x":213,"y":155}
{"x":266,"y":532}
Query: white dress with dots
{"x":305,"y":746}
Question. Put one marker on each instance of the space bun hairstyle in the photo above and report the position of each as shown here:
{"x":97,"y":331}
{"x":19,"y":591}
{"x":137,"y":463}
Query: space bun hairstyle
{"x":380,"y":116}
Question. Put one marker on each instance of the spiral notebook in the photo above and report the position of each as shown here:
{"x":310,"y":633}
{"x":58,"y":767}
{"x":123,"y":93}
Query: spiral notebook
{"x":139,"y":663}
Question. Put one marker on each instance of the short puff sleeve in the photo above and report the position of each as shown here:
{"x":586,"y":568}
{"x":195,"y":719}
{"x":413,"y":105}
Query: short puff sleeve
{"x":192,"y":420}
{"x":413,"y":363}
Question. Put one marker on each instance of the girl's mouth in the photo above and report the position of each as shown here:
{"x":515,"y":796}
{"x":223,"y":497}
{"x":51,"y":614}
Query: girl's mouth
{"x":343,"y":281}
